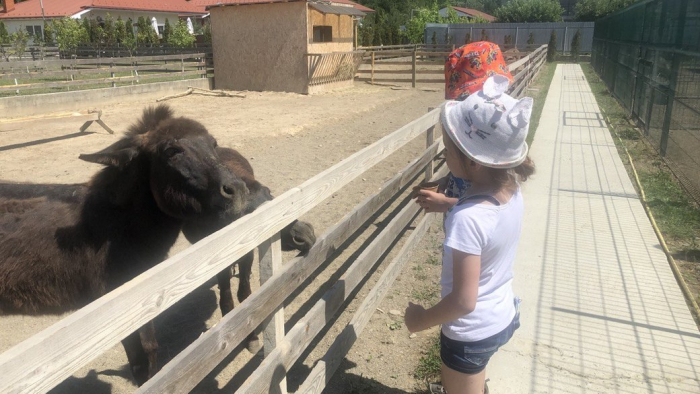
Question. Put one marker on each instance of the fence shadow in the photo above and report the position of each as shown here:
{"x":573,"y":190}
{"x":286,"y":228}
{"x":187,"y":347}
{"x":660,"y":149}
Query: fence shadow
{"x":45,"y":140}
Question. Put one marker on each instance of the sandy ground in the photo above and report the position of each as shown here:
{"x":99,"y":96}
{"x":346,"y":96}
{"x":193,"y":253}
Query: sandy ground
{"x":288,"y":138}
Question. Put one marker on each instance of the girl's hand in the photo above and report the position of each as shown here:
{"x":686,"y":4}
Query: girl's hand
{"x":414,"y":317}
{"x":434,"y":202}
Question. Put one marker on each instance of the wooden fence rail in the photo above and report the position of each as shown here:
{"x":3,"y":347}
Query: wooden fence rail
{"x":332,"y":67}
{"x":44,"y":360}
{"x":28,"y":75}
{"x":523,"y":70}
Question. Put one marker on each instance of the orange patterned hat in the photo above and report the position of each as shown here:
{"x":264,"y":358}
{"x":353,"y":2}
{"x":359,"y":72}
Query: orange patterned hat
{"x":468,"y":67}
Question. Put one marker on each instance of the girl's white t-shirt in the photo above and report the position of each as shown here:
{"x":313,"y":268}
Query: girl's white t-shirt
{"x":492,"y":232}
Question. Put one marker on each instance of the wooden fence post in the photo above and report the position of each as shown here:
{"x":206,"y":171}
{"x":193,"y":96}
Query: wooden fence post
{"x":273,"y":327}
{"x":429,"y":139}
{"x":372,"y":78}
{"x":114,"y":83}
{"x":413,"y":67}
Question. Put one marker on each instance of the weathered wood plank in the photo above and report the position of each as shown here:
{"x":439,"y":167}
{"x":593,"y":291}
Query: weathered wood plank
{"x":45,"y":85}
{"x":324,"y":369}
{"x":195,"y":362}
{"x":313,"y":322}
{"x":408,"y":80}
{"x":103,"y":60}
{"x":89,"y":71}
{"x":273,"y":327}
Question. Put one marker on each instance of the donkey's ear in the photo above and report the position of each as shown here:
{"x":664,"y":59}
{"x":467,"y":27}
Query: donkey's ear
{"x":118,"y":154}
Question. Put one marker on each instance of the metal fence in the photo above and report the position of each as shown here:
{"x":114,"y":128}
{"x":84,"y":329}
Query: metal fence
{"x":509,"y":35}
{"x":649,"y":57}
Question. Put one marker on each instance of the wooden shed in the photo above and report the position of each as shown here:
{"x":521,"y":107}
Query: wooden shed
{"x":300,"y":46}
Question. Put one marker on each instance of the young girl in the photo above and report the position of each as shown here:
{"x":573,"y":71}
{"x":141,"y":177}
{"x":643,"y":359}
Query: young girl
{"x":485,"y":142}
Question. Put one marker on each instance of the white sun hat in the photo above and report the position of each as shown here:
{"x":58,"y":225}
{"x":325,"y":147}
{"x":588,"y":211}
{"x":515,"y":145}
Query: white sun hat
{"x":489,"y":126}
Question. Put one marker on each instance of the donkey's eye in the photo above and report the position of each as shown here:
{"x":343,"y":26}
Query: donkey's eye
{"x":172,"y":151}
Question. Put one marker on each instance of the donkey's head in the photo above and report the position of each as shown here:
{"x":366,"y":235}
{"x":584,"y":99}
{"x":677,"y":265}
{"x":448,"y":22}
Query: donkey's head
{"x":173,"y":159}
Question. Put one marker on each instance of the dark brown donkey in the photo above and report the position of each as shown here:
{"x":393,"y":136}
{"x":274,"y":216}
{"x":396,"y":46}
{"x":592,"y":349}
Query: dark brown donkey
{"x":61,"y":252}
{"x":297,"y":235}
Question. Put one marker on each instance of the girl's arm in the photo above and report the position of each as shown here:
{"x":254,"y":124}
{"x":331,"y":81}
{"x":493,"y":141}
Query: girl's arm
{"x":461,"y":301}
{"x":434,"y":202}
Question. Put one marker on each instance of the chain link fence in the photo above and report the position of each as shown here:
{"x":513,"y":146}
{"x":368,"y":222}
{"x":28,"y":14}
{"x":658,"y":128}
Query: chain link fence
{"x":649,"y":57}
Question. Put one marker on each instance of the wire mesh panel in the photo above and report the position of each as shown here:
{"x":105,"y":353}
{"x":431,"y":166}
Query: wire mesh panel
{"x":649,"y":57}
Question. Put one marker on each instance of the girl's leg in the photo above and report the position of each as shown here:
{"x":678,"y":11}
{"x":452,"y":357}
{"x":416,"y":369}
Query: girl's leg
{"x":455,"y":382}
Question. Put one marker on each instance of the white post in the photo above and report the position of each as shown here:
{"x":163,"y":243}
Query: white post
{"x":273,"y":327}
{"x":563,"y":49}
{"x":515,"y":44}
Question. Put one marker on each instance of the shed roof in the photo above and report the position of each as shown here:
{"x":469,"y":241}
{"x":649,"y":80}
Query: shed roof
{"x":337,"y":9}
{"x":473,"y":12}
{"x":63,"y":8}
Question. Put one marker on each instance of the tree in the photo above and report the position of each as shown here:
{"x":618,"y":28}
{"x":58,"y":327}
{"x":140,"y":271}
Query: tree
{"x":531,"y":39}
{"x":467,"y":38}
{"x":48,"y":33}
{"x":552,"y":47}
{"x":181,"y":37}
{"x":119,"y":30}
{"x":520,"y":11}
{"x":109,"y":30}
{"x":19,"y":41}
{"x":167,"y":30}
{"x":69,"y":33}
{"x":145,"y":34}
{"x":484,"y":35}
{"x":207,"y":32}
{"x":4,"y":41}
{"x":576,"y":45}
{"x":415,"y":27}
{"x":590,"y":10}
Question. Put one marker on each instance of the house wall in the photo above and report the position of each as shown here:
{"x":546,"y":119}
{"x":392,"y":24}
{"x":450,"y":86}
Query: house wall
{"x":261,"y":47}
{"x":343,"y":32}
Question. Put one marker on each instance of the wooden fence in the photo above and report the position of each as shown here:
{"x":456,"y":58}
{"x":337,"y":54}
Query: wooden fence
{"x":425,"y":68}
{"x":44,"y":360}
{"x":57,"y":75}
{"x":332,"y":67}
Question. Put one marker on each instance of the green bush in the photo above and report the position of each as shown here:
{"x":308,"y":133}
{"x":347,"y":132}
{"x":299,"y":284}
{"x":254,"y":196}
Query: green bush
{"x":520,"y":11}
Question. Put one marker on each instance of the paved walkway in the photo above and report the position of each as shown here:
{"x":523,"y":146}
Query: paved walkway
{"x":601,"y":312}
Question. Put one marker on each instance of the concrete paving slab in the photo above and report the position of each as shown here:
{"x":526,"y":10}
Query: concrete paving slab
{"x":601,"y":311}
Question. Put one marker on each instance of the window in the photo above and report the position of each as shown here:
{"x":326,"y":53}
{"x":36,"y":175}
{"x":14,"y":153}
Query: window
{"x":34,"y":30}
{"x":323,"y":33}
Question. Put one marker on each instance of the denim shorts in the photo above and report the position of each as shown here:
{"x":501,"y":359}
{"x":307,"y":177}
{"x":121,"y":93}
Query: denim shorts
{"x":472,"y":357}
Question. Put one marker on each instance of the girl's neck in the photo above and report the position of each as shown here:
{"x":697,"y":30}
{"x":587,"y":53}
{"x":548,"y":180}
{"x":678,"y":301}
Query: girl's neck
{"x":501,"y":193}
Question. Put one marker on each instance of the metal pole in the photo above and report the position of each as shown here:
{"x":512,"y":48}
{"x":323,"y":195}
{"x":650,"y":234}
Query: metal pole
{"x":43,"y":18}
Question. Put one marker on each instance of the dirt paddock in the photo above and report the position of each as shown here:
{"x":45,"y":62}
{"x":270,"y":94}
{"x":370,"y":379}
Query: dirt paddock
{"x":288,"y":138}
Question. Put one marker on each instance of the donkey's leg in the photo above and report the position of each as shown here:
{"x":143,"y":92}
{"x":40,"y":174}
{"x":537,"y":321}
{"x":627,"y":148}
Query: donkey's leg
{"x":245,"y":267}
{"x":142,"y":352}
{"x":225,"y":295}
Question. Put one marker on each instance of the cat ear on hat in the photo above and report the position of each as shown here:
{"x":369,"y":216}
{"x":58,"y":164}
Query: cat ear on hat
{"x":519,"y":115}
{"x":495,"y":86}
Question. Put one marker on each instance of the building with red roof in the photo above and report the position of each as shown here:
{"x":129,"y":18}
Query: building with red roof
{"x":468,"y":13}
{"x":29,"y":14}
